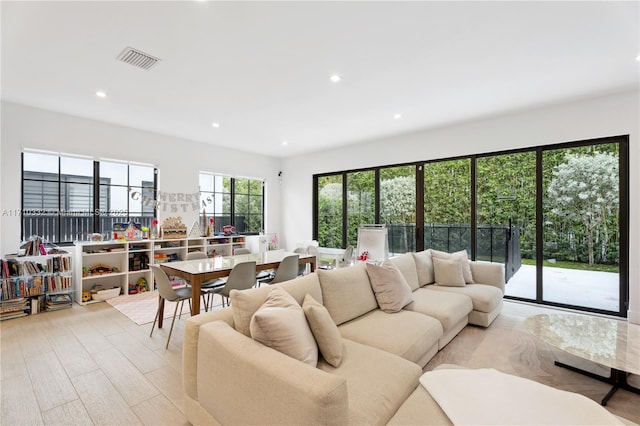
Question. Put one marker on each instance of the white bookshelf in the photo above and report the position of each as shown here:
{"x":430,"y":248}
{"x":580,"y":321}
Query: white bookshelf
{"x":118,"y":257}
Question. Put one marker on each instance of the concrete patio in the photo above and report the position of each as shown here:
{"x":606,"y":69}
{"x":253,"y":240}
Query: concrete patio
{"x":593,"y":289}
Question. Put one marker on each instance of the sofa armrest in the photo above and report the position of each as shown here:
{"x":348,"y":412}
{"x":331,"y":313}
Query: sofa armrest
{"x":242,"y":381}
{"x":489,"y":273}
{"x":190,"y":346}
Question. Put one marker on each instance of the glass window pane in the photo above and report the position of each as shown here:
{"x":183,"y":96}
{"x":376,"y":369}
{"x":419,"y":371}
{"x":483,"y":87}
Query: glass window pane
{"x":255,"y":205}
{"x":43,"y":163}
{"x":206,"y":182}
{"x":506,"y":218}
{"x":140,"y":175}
{"x":206,"y":200}
{"x":116,"y":198}
{"x":361,"y":206}
{"x":241,"y":206}
{"x":113,"y":173}
{"x":40,"y":195}
{"x":447,"y":205}
{"x":76,"y":169}
{"x":398,"y":206}
{"x":581,"y":206}
{"x":222,"y":183}
{"x":242,"y":186}
{"x":255,"y":187}
{"x":330,"y":211}
{"x":77,"y":197}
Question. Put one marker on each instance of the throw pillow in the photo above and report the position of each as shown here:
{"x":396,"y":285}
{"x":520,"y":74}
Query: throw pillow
{"x":280,"y":323}
{"x":424,"y":267}
{"x":459,"y":255}
{"x":324,"y":330}
{"x":389,"y":286}
{"x":448,"y":272}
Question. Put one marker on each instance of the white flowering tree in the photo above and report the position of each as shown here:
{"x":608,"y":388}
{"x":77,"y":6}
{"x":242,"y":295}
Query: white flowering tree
{"x":584,"y":189}
{"x":398,"y":199}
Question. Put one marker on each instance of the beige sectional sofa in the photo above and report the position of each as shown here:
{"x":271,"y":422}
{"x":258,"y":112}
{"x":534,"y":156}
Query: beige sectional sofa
{"x":230,"y":378}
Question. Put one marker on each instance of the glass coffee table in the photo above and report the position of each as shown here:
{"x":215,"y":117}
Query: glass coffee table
{"x":608,"y":342}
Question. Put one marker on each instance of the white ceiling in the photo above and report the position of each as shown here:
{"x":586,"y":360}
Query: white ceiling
{"x":261,"y":69}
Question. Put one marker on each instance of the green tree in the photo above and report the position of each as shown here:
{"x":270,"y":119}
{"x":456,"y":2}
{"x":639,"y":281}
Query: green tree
{"x":585,"y":189}
{"x":330,"y":211}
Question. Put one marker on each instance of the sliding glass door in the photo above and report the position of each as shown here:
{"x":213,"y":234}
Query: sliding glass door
{"x":581,"y":233}
{"x":556,"y":216}
{"x":398,"y":207}
{"x":506,"y":218}
{"x":447,"y":205}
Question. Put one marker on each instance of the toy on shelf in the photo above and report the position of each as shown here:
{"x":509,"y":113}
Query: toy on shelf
{"x":172,"y":227}
{"x":195,"y":230}
{"x":154,"y":229}
{"x":228,"y":230}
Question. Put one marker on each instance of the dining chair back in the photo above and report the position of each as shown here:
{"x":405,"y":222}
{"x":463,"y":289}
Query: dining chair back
{"x":194,"y":255}
{"x":287,"y":270}
{"x":349,"y":256}
{"x":205,"y":287}
{"x":241,"y":277}
{"x":302,"y":269}
{"x":168,"y":293}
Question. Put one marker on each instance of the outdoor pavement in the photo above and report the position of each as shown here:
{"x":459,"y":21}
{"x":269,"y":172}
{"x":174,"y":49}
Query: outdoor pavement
{"x":592,"y":289}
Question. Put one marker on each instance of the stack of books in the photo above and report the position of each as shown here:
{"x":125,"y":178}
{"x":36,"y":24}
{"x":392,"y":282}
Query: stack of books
{"x":56,"y":302}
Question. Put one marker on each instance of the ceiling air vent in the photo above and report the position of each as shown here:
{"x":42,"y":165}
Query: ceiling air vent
{"x":137,"y":58}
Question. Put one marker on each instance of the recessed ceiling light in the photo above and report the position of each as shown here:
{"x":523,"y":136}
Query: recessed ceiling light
{"x":397,"y":116}
{"x":285,"y":143}
{"x":638,"y":58}
{"x":101,"y":94}
{"x":335,"y":78}
{"x":216,"y":125}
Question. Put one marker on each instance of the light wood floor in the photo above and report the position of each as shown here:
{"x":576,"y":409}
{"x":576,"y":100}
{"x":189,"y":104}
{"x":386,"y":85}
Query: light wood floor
{"x":92,"y":365}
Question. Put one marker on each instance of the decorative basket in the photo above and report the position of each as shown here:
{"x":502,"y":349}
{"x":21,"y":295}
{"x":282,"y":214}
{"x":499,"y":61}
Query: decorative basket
{"x":102,"y":295}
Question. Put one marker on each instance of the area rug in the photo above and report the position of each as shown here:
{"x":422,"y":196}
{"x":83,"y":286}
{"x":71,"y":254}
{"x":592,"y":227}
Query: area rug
{"x":141,"y":308}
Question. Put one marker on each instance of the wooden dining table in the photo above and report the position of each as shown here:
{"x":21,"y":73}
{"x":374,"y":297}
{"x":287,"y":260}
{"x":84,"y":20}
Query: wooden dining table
{"x":202,"y":270}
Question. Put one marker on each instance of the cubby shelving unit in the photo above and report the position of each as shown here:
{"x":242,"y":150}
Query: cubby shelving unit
{"x":122,"y":263}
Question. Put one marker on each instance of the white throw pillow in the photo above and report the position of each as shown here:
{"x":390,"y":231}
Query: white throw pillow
{"x":448,"y":272}
{"x":459,"y":255}
{"x":280,"y":323}
{"x":389,"y":286}
{"x":324,"y":330}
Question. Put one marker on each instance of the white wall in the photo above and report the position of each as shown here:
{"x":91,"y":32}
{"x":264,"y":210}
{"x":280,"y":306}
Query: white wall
{"x":598,"y":117}
{"x":179,"y":161}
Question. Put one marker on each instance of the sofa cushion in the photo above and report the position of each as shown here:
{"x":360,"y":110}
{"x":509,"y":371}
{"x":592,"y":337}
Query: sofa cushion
{"x":462,"y":256}
{"x":389,"y":286}
{"x":407,"y":265}
{"x":245,"y":303}
{"x":324,"y":330}
{"x":378,"y":382}
{"x":407,"y":334}
{"x":485,"y":298}
{"x":448,"y":308}
{"x":346,"y":292}
{"x":424,"y":267}
{"x":243,"y":382}
{"x":448,"y":272}
{"x":280,"y":323}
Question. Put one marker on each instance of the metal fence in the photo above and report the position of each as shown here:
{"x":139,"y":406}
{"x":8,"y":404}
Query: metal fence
{"x":80,"y":227}
{"x":495,"y":243}
{"x":70,"y":228}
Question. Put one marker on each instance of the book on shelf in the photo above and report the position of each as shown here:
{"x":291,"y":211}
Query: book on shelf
{"x":14,"y":308}
{"x":58,"y":301}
